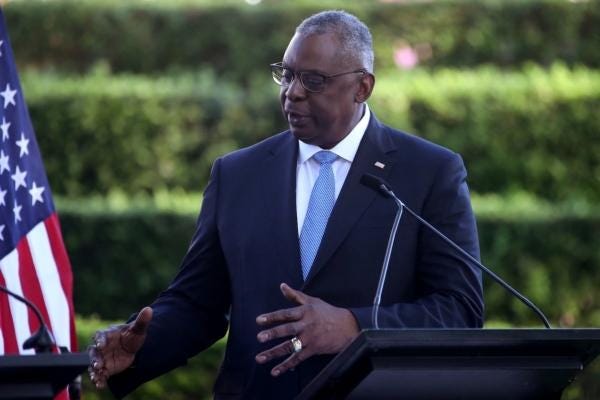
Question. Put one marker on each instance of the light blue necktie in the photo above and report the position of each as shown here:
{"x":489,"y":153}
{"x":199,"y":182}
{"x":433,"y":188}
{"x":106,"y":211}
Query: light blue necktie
{"x":322,"y":199}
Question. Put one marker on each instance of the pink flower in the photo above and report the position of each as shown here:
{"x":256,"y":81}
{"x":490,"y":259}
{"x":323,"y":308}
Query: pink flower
{"x":406,"y":57}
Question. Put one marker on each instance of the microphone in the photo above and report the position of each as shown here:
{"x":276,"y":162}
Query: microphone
{"x":380,"y":186}
{"x":42,"y":340}
{"x":372,"y":182}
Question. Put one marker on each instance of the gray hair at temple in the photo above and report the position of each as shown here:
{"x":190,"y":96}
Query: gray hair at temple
{"x":354,"y":36}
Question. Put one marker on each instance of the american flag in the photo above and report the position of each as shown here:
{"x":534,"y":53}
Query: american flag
{"x":33,"y":259}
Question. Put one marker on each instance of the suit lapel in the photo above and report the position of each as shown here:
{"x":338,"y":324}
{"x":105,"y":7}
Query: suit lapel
{"x":354,"y":197}
{"x":279,"y":185}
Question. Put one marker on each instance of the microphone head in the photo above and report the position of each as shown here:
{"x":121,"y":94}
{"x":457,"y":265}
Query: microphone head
{"x":41,"y":341}
{"x":375,"y":183}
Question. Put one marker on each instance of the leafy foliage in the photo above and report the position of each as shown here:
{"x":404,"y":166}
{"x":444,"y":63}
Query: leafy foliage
{"x":532,"y":130}
{"x":545,"y":255}
{"x":193,"y":381}
{"x":150,"y":37}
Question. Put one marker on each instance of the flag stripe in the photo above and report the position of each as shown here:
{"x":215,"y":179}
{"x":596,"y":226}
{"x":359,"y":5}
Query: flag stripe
{"x":1,"y":330}
{"x":10,"y":268}
{"x":31,"y":286}
{"x":47,"y":273}
{"x":64,"y":268}
{"x":9,"y":336}
{"x":62,"y":395}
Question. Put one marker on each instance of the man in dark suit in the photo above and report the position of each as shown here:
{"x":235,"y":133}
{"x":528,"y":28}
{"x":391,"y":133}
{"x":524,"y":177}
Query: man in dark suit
{"x":289,"y":245}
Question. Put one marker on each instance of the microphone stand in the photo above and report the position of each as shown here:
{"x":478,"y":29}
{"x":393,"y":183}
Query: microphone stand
{"x":379,"y":185}
{"x":386,"y":263}
{"x":42,"y":340}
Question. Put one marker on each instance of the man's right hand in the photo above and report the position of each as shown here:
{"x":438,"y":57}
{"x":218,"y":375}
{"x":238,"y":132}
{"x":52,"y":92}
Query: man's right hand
{"x":114,"y":348}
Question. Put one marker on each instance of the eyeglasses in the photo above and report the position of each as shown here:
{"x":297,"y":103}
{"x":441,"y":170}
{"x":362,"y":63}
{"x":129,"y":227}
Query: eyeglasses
{"x":311,"y":81}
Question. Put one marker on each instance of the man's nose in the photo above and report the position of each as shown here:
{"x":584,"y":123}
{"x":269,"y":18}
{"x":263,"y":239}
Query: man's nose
{"x":295,"y":91}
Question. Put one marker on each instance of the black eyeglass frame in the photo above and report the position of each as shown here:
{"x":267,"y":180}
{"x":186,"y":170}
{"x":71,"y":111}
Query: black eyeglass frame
{"x":275,"y":67}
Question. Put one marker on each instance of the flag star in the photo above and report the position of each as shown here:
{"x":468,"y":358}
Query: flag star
{"x":2,"y":196}
{"x":17,"y":210}
{"x":9,"y":96}
{"x":4,"y":162}
{"x":19,"y":178}
{"x":5,"y":125}
{"x":23,"y":143}
{"x":36,"y":194}
{"x":1,"y":232}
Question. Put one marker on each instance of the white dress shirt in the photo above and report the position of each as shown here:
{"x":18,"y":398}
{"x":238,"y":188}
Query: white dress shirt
{"x":307,"y":168}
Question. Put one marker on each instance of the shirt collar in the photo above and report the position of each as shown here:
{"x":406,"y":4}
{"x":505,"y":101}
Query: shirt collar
{"x":345,"y":149}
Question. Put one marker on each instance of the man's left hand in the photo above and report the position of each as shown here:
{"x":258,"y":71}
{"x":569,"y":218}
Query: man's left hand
{"x":320,"y":327}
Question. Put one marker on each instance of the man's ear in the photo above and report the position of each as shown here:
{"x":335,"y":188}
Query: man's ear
{"x":365,"y":88}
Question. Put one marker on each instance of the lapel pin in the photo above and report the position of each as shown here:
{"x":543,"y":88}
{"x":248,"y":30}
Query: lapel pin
{"x":379,"y":164}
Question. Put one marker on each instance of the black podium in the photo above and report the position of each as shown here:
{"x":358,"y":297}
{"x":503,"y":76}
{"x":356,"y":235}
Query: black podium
{"x":456,"y":364}
{"x":39,"y":376}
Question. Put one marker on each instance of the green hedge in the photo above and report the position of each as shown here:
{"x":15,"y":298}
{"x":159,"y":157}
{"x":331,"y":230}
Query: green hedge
{"x":133,"y":134}
{"x":194,"y":381}
{"x":124,"y":253}
{"x":123,"y":259}
{"x":240,"y":40}
{"x":533,"y":130}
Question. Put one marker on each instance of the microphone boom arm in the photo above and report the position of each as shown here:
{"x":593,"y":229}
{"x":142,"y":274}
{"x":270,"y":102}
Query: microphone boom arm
{"x":380,"y":185}
{"x":42,"y":340}
{"x":488,"y":271}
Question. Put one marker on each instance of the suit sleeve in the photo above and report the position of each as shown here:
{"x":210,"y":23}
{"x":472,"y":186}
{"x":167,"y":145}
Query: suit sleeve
{"x":450,"y":289}
{"x":193,"y":312}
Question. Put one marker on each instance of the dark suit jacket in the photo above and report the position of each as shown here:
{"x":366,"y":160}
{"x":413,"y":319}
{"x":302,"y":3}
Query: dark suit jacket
{"x":246,"y":244}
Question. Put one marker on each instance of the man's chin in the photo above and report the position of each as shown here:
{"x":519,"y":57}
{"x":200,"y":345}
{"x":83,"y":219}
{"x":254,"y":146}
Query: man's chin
{"x":303,"y":135}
